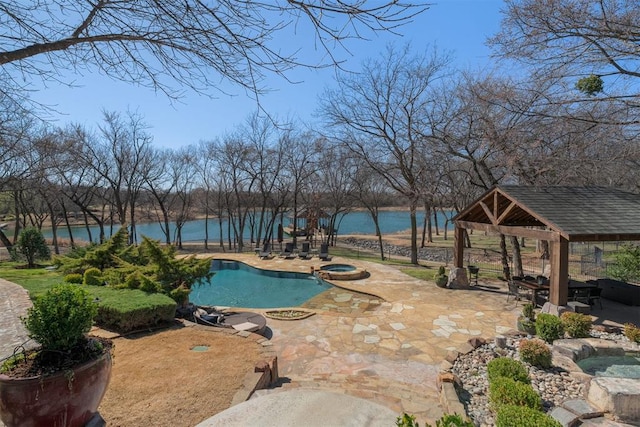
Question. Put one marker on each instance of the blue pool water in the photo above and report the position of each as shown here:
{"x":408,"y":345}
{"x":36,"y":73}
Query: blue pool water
{"x":236,"y":284}
{"x":627,"y":366}
{"x":342,"y":268}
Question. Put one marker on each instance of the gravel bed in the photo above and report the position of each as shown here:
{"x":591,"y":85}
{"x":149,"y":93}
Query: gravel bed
{"x":554,"y":384}
{"x":442,"y":255}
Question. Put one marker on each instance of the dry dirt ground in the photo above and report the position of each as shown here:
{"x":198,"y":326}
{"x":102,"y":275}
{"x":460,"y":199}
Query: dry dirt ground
{"x":157,"y":380}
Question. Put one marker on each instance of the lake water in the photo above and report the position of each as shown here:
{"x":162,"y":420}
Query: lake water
{"x":359,"y":222}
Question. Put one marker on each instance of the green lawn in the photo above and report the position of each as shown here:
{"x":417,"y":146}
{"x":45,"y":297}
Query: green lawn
{"x":37,"y":280}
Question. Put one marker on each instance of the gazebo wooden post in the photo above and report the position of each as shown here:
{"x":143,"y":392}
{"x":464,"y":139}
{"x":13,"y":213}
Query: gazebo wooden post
{"x":559,"y":290}
{"x":458,"y":247}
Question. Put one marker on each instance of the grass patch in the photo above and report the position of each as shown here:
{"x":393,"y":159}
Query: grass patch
{"x":35,"y":280}
{"x":122,"y":309}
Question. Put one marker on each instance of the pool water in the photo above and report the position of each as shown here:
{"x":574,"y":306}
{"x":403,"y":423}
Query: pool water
{"x":627,"y":366}
{"x":236,"y":284}
{"x":338,"y":267}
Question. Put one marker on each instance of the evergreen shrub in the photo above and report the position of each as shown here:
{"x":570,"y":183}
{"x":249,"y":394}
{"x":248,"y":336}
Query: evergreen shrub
{"x":506,"y":391}
{"x":522,"y":416}
{"x":535,"y":352}
{"x":549,"y":327}
{"x":509,"y":368}
{"x":576,"y":325}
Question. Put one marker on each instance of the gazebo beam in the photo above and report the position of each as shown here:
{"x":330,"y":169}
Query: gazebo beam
{"x":510,"y":231}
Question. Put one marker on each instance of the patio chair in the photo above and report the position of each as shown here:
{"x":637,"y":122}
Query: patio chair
{"x":594,"y":295}
{"x":324,"y":252}
{"x":517,"y":292}
{"x":266,"y":251}
{"x":287,"y":253}
{"x":581,"y":295}
{"x":304,"y":253}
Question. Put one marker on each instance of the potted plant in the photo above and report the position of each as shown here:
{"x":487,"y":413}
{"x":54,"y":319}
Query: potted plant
{"x":62,"y":382}
{"x":441,"y":278}
{"x":527,"y":320}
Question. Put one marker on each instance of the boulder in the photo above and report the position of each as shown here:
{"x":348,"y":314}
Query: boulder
{"x":458,"y":278}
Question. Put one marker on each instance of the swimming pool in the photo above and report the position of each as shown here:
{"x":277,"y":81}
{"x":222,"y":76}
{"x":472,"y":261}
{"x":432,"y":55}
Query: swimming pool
{"x":236,"y":284}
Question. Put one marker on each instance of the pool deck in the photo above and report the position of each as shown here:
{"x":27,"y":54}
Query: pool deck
{"x":384,"y":344}
{"x":387,"y":345}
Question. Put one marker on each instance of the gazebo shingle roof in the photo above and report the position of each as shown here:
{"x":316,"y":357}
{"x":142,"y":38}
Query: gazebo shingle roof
{"x":577,"y":213}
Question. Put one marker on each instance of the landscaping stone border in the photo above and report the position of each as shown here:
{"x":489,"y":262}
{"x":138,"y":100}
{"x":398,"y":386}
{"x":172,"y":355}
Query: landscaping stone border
{"x":572,"y":412}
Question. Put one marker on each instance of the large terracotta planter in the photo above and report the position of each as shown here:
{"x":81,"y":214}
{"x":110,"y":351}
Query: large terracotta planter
{"x":66,"y":399}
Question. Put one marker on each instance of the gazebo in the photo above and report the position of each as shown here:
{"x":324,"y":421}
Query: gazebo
{"x":557,"y":214}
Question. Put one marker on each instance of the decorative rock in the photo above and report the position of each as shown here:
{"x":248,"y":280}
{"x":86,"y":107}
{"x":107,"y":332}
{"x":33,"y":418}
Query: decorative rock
{"x":618,"y":396}
{"x":447,"y":377}
{"x":501,"y":341}
{"x":458,"y":278}
{"x":451,"y":356}
{"x":476,"y":342}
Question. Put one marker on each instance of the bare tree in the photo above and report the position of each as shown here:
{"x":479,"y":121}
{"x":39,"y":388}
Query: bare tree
{"x":194,"y":43}
{"x":379,"y":116}
{"x":371,"y":192}
{"x":592,"y":44}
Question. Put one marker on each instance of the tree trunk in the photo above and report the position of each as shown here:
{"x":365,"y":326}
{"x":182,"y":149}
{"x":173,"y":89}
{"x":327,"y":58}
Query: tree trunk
{"x":505,"y":257}
{"x":517,"y":257}
{"x":414,"y":233}
{"x":66,"y":220}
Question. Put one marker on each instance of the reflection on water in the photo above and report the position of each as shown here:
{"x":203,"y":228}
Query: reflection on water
{"x":352,"y":223}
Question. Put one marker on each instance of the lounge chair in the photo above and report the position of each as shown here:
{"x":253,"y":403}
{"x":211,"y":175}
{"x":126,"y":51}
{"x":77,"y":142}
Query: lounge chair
{"x":266,"y":251}
{"x":288,"y":251}
{"x":304,"y":253}
{"x":324,"y":252}
{"x":240,"y":321}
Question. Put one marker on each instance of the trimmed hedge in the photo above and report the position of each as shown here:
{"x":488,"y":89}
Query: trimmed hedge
{"x":522,"y":416}
{"x":505,"y":391}
{"x":577,"y":325}
{"x":549,"y":327}
{"x":536,"y":352}
{"x":509,"y":368}
{"x":129,"y":310}
{"x":75,"y":278}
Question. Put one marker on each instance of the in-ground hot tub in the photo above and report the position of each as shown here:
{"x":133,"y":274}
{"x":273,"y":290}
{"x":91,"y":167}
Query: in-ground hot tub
{"x":619,"y":394}
{"x":341,"y":272}
{"x":625,"y":365}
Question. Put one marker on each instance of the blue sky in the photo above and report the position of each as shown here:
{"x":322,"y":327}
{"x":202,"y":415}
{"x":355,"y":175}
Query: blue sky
{"x":459,"y":26}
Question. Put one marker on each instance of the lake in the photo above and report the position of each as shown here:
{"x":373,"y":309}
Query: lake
{"x":358,"y":222}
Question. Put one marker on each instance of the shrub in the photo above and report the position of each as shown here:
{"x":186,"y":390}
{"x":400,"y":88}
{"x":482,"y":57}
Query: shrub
{"x":453,"y":420}
{"x":407,"y":420}
{"x":75,"y":278}
{"x":522,"y":416}
{"x":549,"y":327}
{"x":129,"y":310}
{"x":509,"y":368}
{"x":441,"y":277}
{"x":31,"y":246}
{"x":632,"y":332}
{"x":535,"y":352}
{"x":60,"y":317}
{"x":93,"y":277}
{"x":527,"y":312}
{"x":577,"y":325}
{"x":505,"y":391}
{"x":180,"y":295}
